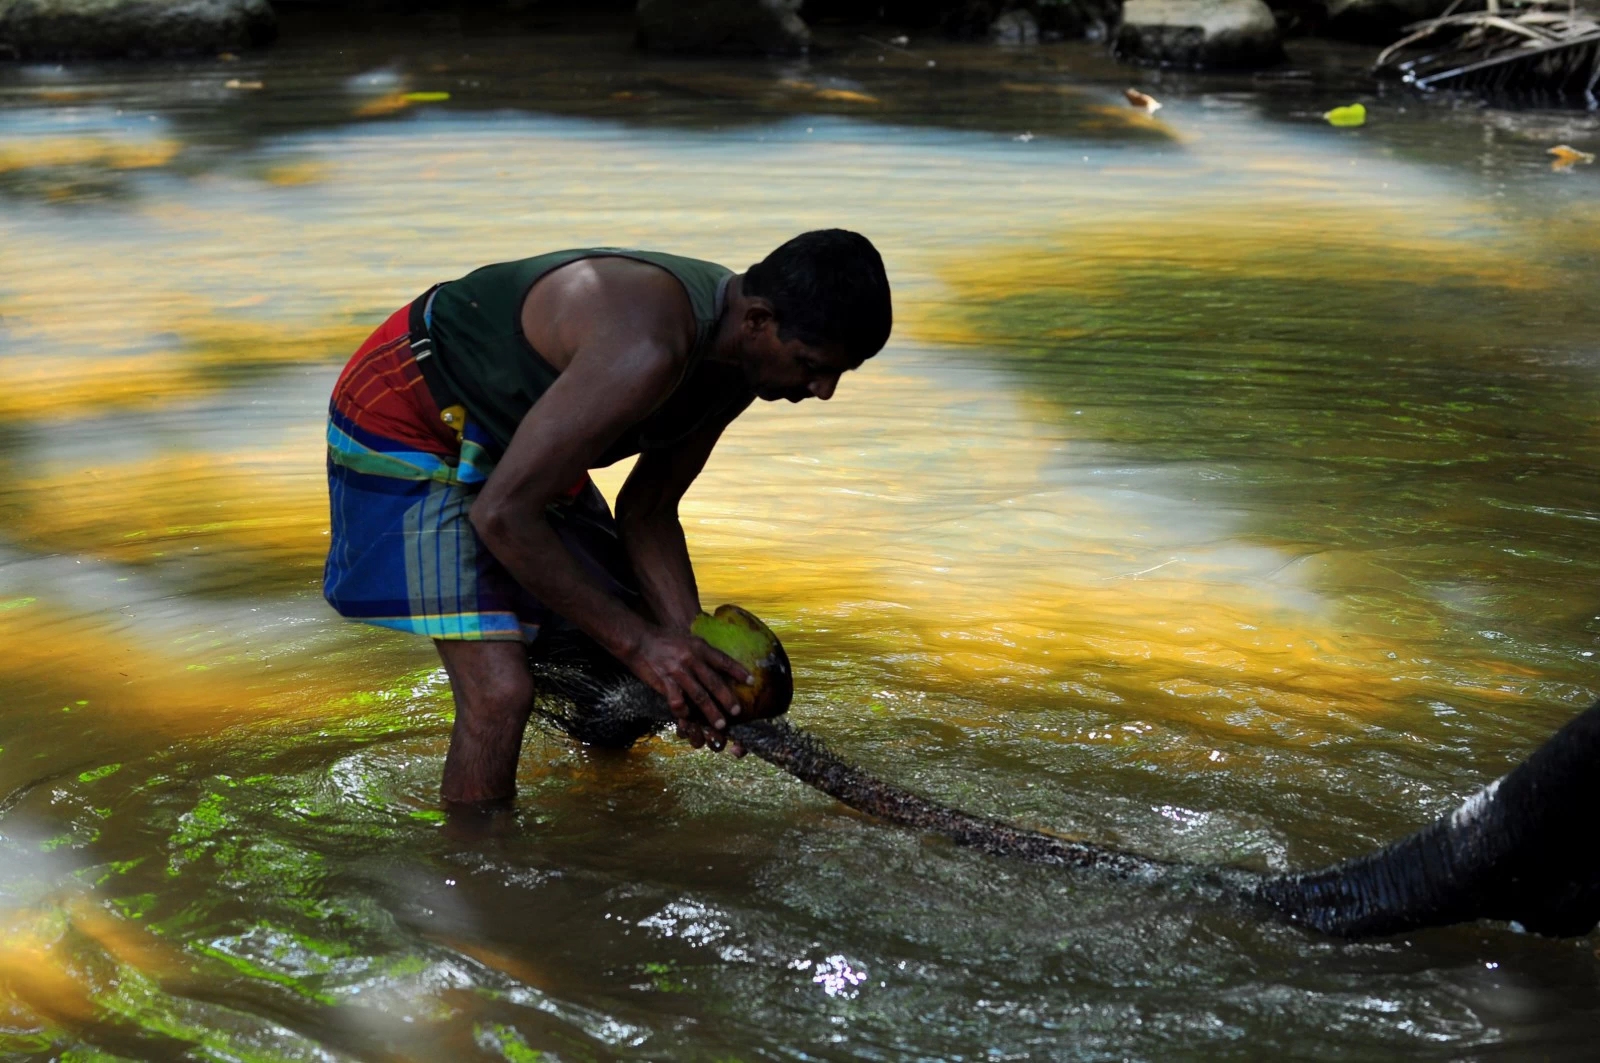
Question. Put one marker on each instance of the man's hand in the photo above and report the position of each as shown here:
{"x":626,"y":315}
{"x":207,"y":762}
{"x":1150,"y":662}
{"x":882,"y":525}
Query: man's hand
{"x":691,"y":675}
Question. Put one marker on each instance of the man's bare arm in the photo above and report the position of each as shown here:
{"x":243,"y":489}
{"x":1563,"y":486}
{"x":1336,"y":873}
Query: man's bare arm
{"x":622,"y":367}
{"x":647,"y":515}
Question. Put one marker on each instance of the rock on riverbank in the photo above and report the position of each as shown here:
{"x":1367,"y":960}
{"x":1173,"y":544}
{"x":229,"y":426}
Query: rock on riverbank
{"x":39,"y":29}
{"x":1199,"y":33}
{"x":1379,"y":21}
{"x":723,"y":27}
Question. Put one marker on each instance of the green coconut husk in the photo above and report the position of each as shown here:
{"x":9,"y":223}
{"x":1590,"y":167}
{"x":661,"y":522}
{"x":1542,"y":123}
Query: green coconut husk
{"x":741,"y":635}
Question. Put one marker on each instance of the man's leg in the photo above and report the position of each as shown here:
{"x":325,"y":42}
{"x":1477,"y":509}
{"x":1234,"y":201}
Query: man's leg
{"x":494,"y":697}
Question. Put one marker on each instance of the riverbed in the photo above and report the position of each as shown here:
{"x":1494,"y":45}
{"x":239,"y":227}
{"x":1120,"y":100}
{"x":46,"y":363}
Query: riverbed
{"x":1228,"y":491}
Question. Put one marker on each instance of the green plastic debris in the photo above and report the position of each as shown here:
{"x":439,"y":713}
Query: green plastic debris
{"x":426,"y":97}
{"x":1353,"y":115}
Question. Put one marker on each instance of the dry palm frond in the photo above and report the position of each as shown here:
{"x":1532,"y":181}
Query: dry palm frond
{"x":1542,"y":49}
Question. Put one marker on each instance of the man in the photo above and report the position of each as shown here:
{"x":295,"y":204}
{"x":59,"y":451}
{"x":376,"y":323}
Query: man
{"x":460,"y":437}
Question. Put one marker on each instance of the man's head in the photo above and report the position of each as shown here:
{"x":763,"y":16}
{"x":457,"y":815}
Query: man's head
{"x":813,"y":309}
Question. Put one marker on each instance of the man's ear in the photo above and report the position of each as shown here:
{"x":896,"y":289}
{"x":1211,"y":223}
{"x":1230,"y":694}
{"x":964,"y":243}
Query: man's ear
{"x":758,"y":315}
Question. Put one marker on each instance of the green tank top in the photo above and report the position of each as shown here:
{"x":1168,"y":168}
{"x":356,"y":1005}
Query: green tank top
{"x":480,"y":351}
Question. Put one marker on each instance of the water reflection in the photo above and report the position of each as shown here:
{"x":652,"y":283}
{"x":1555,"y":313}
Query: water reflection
{"x":1418,"y":366}
{"x":1224,"y":495}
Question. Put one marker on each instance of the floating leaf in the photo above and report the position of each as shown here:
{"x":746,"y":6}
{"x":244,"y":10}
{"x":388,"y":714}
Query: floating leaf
{"x":845,"y":96}
{"x":1138,"y":99}
{"x":235,"y":83}
{"x":425,"y":97}
{"x":1567,"y":156}
{"x":380,"y":105}
{"x":1353,"y":115}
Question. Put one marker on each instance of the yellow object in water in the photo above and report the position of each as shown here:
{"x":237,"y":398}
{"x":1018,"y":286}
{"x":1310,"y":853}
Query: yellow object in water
{"x":1353,"y":115}
{"x":845,"y":96}
{"x":1566,"y":155}
{"x":1149,"y":104}
{"x":425,"y":97}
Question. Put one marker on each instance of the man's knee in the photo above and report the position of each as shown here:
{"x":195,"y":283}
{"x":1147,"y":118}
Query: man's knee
{"x":507,"y":696}
{"x":499,"y":699}
{"x":492,"y":688}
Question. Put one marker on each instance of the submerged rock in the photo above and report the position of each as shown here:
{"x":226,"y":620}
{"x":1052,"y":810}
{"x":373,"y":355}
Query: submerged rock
{"x":1378,"y":21}
{"x":64,"y":28}
{"x":1199,"y":33}
{"x":723,"y":27}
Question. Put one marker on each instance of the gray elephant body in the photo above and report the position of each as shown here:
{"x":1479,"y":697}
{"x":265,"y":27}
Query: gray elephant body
{"x":1518,"y":850}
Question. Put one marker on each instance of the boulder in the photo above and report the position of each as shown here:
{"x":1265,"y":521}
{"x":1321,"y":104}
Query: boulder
{"x":1014,"y":28}
{"x":1071,"y":19}
{"x":1205,"y":34}
{"x":1300,"y":18}
{"x":1000,"y":20}
{"x":1379,"y":21}
{"x":49,"y":29}
{"x":723,"y":27}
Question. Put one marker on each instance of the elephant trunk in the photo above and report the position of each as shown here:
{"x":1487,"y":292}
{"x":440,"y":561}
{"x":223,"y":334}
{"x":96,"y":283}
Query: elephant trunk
{"x":1522,"y":849}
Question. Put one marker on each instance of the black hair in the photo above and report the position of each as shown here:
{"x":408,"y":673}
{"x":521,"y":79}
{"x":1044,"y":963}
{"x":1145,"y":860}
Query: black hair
{"x":827,"y":288}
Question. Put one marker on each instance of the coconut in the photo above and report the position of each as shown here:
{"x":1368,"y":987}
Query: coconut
{"x":742,"y":636}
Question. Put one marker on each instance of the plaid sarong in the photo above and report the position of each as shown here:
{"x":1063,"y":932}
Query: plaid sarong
{"x":402,"y":475}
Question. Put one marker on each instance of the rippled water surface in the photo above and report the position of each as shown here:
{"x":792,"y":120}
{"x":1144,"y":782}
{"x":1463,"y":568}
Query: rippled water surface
{"x":1229,"y":491}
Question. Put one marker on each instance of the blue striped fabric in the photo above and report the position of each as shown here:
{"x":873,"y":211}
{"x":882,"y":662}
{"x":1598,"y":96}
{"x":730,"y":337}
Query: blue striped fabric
{"x":403,"y":554}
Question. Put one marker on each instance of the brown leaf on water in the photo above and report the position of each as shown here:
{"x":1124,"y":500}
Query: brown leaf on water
{"x":381,"y":105}
{"x":845,"y":96}
{"x":1567,"y":156}
{"x":1149,"y":104}
{"x":235,"y":83}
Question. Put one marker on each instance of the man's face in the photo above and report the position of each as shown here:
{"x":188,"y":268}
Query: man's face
{"x":790,"y":369}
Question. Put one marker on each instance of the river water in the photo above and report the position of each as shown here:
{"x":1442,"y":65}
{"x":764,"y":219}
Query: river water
{"x":1229,"y":492}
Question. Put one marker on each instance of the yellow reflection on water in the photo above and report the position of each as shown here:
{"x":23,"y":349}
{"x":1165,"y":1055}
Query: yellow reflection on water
{"x":112,"y":153}
{"x":925,"y":514}
{"x":293,"y":174}
{"x":921,"y":513}
{"x":210,"y":353}
{"x":67,"y":964}
{"x":259,"y":508}
{"x":1342,"y":246}
{"x":147,"y":678}
{"x":38,"y":979}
